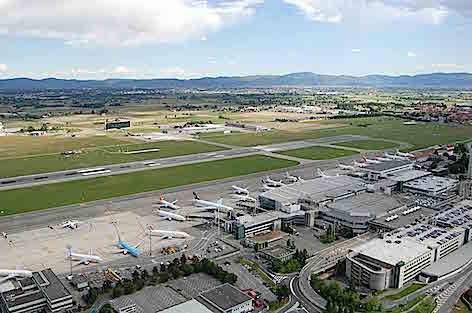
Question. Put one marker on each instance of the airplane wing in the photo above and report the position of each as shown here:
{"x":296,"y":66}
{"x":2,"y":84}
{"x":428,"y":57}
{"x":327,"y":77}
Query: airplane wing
{"x":3,"y":279}
{"x":137,"y":246}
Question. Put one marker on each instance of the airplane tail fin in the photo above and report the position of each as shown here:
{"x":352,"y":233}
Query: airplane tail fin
{"x":320,"y":172}
{"x":196,"y":196}
{"x":161,"y":198}
{"x":220,"y":201}
{"x":364,"y":158}
{"x":174,"y":202}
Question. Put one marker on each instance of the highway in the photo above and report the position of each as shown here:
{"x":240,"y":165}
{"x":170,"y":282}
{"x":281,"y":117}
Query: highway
{"x":105,"y":170}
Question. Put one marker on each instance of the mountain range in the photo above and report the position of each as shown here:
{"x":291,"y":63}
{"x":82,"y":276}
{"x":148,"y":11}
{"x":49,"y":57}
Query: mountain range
{"x":305,"y":79}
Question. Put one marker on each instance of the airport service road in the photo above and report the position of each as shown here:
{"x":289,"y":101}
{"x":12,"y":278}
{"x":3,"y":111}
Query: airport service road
{"x":47,"y":178}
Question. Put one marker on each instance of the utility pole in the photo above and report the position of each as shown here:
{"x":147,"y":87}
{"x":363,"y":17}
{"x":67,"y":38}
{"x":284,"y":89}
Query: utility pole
{"x":69,"y":249}
{"x":150,"y":243}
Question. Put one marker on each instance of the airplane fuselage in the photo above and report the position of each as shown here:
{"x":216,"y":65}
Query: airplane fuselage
{"x":170,"y":215}
{"x":128,"y":249}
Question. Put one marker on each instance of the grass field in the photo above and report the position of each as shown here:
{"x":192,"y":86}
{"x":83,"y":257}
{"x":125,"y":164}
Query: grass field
{"x":318,"y":153}
{"x":101,"y":156}
{"x":15,"y":146}
{"x":461,"y":307}
{"x":405,"y":292}
{"x":368,"y":144}
{"x":419,"y":136}
{"x":59,"y":194}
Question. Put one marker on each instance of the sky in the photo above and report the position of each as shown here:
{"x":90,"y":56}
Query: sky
{"x":99,"y":39}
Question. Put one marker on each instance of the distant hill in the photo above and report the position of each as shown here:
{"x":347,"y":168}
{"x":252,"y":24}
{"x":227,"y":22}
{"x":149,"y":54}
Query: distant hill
{"x":307,"y":79}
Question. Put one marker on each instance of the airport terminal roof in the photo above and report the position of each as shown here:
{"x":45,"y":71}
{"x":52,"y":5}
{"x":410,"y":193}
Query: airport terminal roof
{"x":366,"y":204}
{"x":266,"y":217}
{"x":392,"y":253}
{"x":451,"y":262}
{"x":385,"y":166}
{"x":431,"y":184}
{"x":55,"y":289}
{"x":225,"y":297}
{"x":191,"y":306}
{"x":317,"y":189}
{"x":406,"y":176}
{"x":404,"y":220}
{"x":459,"y":215}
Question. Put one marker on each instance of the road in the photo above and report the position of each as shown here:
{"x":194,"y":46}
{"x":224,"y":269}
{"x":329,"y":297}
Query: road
{"x":106,"y":170}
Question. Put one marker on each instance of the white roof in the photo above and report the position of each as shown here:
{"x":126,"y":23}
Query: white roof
{"x":192,"y":306}
{"x":392,"y":253}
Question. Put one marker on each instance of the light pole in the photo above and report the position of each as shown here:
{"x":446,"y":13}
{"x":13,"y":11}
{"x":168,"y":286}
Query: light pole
{"x":69,"y":249}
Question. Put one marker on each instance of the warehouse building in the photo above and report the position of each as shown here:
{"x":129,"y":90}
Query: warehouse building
{"x":32,"y":295}
{"x":431,"y":185}
{"x":227,"y":299}
{"x":386,"y":169}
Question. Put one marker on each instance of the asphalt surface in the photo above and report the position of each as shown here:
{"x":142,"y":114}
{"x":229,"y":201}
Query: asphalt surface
{"x":105,"y":170}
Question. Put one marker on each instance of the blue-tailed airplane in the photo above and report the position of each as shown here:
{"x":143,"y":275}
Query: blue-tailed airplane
{"x":126,"y":248}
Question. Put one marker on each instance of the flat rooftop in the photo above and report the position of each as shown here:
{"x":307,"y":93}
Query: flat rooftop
{"x":408,"y":175}
{"x":405,"y":220}
{"x":277,"y":251}
{"x":459,"y":215}
{"x":55,"y":290}
{"x":431,"y":184}
{"x":450,"y":262}
{"x":192,"y":306}
{"x":386,"y":166}
{"x":225,"y":297}
{"x":366,"y":204}
{"x":314,"y":189}
{"x":266,"y":217}
{"x":426,"y":234}
{"x":392,"y":253}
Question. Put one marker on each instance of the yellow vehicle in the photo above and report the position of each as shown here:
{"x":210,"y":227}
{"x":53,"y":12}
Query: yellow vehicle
{"x":111,"y":275}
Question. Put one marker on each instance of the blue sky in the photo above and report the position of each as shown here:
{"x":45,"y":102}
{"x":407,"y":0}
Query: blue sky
{"x":97,"y":39}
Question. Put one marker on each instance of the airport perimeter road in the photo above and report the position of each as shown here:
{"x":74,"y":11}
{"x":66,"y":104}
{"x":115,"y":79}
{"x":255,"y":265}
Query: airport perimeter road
{"x":105,"y":170}
{"x":449,"y":297}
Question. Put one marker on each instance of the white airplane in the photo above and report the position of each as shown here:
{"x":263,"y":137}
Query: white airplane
{"x":405,"y":155}
{"x":167,"y":204}
{"x":245,"y":198}
{"x":272,"y":183}
{"x":370,"y":161}
{"x":170,"y":216}
{"x":268,"y":188}
{"x":72,"y":224}
{"x":320,"y":173}
{"x":209,"y":204}
{"x":167,"y":234}
{"x":346,"y":167}
{"x":85,"y":259}
{"x":382,"y":159}
{"x":239,"y":190}
{"x":292,"y":178}
{"x":9,"y":274}
{"x":359,"y":164}
{"x":394,"y":157}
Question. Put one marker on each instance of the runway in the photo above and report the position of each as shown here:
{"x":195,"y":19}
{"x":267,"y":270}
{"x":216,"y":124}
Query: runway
{"x":105,"y":170}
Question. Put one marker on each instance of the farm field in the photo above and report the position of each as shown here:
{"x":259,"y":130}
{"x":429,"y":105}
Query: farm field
{"x":59,"y":194}
{"x":368,"y":144}
{"x":318,"y":153}
{"x":101,"y":156}
{"x":421,"y":135}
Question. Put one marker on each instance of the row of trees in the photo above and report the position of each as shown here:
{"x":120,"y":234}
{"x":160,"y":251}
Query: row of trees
{"x":295,"y":264}
{"x":462,"y":163}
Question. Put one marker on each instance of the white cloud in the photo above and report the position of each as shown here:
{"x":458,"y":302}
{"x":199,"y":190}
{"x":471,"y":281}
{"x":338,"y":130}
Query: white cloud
{"x":3,"y":67}
{"x":334,"y":11}
{"x":120,"y":22}
{"x":122,"y":70}
{"x":447,"y":66}
{"x":411,"y":54}
{"x":177,"y":72}
{"x":355,"y":50}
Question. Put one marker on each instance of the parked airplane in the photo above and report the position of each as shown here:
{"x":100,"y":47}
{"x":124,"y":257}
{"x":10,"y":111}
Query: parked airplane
{"x":346,"y":167}
{"x":382,"y":159}
{"x":359,"y":164}
{"x":72,"y":224}
{"x":272,"y":183}
{"x":268,"y":188}
{"x":85,"y":259}
{"x":167,"y":234}
{"x":167,"y":204}
{"x":209,"y":204}
{"x":366,"y":160}
{"x":239,"y":190}
{"x":9,"y":274}
{"x":405,"y":155}
{"x":245,"y":198}
{"x":320,"y":173}
{"x":394,"y":157}
{"x":170,"y":216}
{"x":124,"y":247}
{"x":293,"y":178}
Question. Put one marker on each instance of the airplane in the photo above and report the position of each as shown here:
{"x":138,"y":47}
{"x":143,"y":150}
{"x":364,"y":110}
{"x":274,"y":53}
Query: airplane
{"x":272,"y":183}
{"x":239,"y":190}
{"x":358,"y":164}
{"x":320,"y":173}
{"x":292,"y":178}
{"x":245,"y":198}
{"x":9,"y":274}
{"x":268,"y":188}
{"x":171,"y":216}
{"x":346,"y":167}
{"x":124,"y":247}
{"x":167,"y":204}
{"x":209,"y":204}
{"x":167,"y":234}
{"x":370,"y":161}
{"x":85,"y":259}
{"x":72,"y":224}
{"x":382,"y":159}
{"x":394,"y":157}
{"x":405,"y":155}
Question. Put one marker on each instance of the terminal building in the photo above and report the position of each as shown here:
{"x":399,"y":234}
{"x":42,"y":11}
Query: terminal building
{"x":42,"y":292}
{"x":386,"y":169}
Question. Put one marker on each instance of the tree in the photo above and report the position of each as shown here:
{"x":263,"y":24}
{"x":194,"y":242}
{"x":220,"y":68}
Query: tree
{"x":163,"y":267}
{"x":282,"y":292}
{"x":372,"y":304}
{"x":117,"y":291}
{"x":144,"y":275}
{"x":155,"y":270}
{"x":289,"y":245}
{"x":183,"y":259}
{"x":135,"y":275}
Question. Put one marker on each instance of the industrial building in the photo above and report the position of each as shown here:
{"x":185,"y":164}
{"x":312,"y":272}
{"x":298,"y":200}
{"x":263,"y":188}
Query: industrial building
{"x":377,"y":171}
{"x":248,"y":226}
{"x":228,"y":299}
{"x":431,"y":185}
{"x":43,"y":291}
{"x":191,"y":306}
{"x":402,"y":255}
